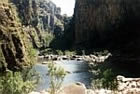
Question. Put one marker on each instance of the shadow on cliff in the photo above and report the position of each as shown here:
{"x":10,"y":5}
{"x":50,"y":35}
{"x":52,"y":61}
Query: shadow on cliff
{"x":64,"y":39}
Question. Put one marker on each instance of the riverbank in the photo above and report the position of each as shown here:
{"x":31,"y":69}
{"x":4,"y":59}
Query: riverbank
{"x":125,"y":85}
{"x":75,"y":88}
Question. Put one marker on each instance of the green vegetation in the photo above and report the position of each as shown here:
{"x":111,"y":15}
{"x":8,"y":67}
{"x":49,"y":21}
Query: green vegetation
{"x":107,"y":80}
{"x":2,"y":61}
{"x":48,"y":38}
{"x":63,"y":40}
{"x":32,"y":53}
{"x":105,"y":76}
{"x":68,"y":52}
{"x":57,"y":75}
{"x":15,"y":83}
{"x":59,"y":52}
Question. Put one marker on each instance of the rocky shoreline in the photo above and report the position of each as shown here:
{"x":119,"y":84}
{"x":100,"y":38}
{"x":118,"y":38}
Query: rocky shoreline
{"x":86,"y":58}
{"x":125,"y":85}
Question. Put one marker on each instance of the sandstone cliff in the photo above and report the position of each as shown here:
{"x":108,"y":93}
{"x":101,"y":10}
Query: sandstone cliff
{"x":15,"y":50}
{"x":39,"y":16}
{"x":112,"y":24}
{"x":103,"y":22}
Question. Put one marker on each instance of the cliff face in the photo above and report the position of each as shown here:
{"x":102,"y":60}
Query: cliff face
{"x":102,"y":22}
{"x":113,"y":24}
{"x":14,"y":46}
{"x":23,"y":22}
{"x":39,"y":16}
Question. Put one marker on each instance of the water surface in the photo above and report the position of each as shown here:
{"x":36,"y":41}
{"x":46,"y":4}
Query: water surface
{"x":79,"y":72}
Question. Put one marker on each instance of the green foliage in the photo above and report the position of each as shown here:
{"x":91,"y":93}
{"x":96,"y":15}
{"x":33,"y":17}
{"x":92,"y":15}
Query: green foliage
{"x":30,"y":74}
{"x":107,"y":81}
{"x":31,"y":54}
{"x":2,"y":60}
{"x":57,"y":75}
{"x":59,"y":52}
{"x":48,"y":38}
{"x":48,"y":51}
{"x":67,"y":52}
{"x":13,"y":83}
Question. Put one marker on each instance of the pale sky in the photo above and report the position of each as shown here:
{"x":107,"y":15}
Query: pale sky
{"x":67,"y":6}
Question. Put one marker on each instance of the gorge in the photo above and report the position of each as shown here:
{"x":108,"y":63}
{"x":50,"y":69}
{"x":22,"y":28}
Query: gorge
{"x":30,"y":29}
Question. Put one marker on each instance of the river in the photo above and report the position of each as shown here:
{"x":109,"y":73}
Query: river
{"x":79,"y":72}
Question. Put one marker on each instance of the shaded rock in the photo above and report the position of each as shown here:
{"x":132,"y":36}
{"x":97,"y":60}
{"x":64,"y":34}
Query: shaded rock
{"x":105,"y":22}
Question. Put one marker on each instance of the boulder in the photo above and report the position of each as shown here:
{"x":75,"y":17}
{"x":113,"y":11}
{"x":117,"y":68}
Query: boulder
{"x":77,"y":88}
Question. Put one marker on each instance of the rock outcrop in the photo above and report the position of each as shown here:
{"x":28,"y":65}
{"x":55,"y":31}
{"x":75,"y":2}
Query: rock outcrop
{"x":14,"y":46}
{"x":43,"y":14}
{"x":106,"y":22}
{"x":128,"y":85}
{"x":39,"y":16}
{"x":24,"y":21}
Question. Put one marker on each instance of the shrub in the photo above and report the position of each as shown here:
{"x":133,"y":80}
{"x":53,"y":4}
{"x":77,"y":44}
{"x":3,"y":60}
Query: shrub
{"x":67,"y":52}
{"x":13,"y":83}
{"x":49,"y":37}
{"x":32,"y":54}
{"x":57,"y":75}
{"x":107,"y":81}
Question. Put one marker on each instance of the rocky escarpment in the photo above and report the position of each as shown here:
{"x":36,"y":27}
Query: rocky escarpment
{"x":112,"y":24}
{"x":14,"y":46}
{"x":39,"y":16}
{"x":107,"y":22}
